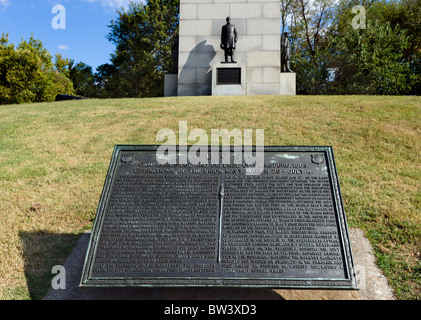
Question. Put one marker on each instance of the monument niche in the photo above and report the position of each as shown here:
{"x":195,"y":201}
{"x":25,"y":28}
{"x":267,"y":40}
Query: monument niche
{"x":215,"y":224}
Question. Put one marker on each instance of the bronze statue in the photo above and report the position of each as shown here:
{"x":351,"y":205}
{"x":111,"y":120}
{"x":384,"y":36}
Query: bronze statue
{"x":285,"y":53}
{"x":229,"y":39}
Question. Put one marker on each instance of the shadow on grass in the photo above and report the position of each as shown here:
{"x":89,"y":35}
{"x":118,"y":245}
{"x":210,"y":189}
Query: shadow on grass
{"x":43,"y":250}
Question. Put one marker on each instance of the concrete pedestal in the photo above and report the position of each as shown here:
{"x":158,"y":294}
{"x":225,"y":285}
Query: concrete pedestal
{"x":288,"y":84}
{"x":171,"y":85}
{"x":228,"y":89}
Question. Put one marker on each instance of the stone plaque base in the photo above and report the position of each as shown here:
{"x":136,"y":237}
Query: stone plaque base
{"x":221,"y":224}
{"x":288,"y":84}
{"x":228,"y":79}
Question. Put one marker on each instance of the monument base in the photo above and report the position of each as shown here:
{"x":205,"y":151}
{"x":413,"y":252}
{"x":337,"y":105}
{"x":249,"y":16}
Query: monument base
{"x":171,"y":85}
{"x":288,"y":84}
{"x":228,"y":79}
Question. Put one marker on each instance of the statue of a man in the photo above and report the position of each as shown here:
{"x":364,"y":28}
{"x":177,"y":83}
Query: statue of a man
{"x":285,"y":53}
{"x":229,"y":38}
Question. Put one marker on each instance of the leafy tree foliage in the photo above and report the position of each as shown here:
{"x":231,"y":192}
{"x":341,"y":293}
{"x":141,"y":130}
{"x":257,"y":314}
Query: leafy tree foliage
{"x":405,"y":15}
{"x":83,"y":79}
{"x":27,"y":73}
{"x":107,"y":80}
{"x":143,"y":37}
{"x":371,"y":61}
{"x":331,"y":57}
{"x":309,"y":24}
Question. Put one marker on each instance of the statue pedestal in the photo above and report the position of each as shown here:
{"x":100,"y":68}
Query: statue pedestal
{"x":288,"y":84}
{"x":170,"y":85}
{"x":228,"y":79}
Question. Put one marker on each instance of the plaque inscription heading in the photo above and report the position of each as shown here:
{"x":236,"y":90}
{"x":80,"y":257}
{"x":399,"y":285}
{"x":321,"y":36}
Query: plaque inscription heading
{"x":214,"y":225}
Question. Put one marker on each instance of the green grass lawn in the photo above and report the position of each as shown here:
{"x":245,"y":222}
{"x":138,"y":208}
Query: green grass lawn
{"x":54,"y":158}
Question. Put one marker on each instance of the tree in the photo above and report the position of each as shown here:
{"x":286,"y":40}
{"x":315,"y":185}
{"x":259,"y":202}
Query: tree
{"x":371,"y":60}
{"x":309,"y":23}
{"x":286,"y":12}
{"x":62,"y":65}
{"x":107,"y":81}
{"x":331,"y":57}
{"x":143,"y":36}
{"x":405,"y":15}
{"x":27,"y":73}
{"x":83,"y":79}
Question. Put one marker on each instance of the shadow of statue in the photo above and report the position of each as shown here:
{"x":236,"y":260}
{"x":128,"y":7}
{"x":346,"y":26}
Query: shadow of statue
{"x":196,"y":73}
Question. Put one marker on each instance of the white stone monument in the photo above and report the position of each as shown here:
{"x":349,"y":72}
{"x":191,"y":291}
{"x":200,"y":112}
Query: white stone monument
{"x":257,"y":51}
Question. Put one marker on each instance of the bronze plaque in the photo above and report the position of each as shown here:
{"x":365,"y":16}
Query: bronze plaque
{"x":228,"y":76}
{"x":216,"y":225}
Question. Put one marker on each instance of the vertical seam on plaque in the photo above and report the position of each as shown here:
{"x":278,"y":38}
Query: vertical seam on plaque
{"x":220,"y":218}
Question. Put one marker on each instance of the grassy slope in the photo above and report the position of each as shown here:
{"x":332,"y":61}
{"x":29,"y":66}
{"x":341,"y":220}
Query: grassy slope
{"x":54,"y":158}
